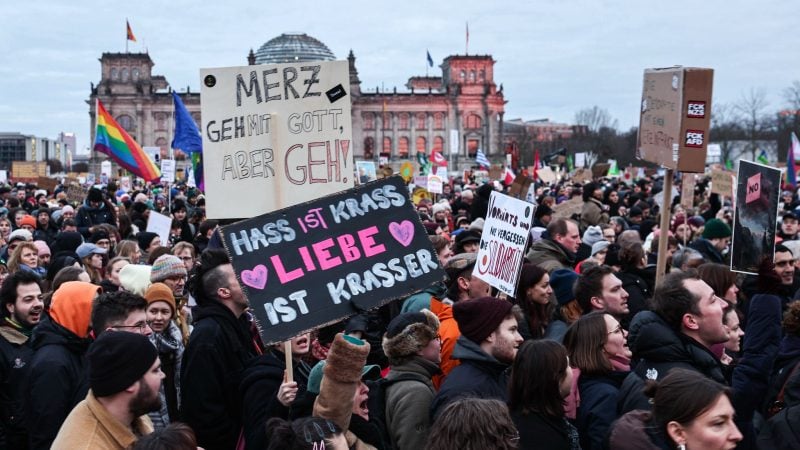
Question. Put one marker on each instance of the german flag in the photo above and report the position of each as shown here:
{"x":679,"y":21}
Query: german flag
{"x":131,"y":37}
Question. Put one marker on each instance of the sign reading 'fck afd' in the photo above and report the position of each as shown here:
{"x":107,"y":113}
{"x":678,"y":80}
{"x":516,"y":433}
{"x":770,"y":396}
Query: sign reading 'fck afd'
{"x":322,"y":261}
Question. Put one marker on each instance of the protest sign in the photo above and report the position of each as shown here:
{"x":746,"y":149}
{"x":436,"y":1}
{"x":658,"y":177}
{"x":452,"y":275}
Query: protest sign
{"x":322,"y":261}
{"x":687,"y":190}
{"x":721,"y":182}
{"x":519,"y":188}
{"x":580,"y":160}
{"x":434,"y":184}
{"x":502,"y":248}
{"x":168,"y":170}
{"x":481,"y":176}
{"x":442,"y":173}
{"x":47,"y":183}
{"x":421,"y":181}
{"x":160,"y":225}
{"x":366,"y":171}
{"x":407,"y":171}
{"x":675,"y":117}
{"x":75,"y":192}
{"x":582,"y":175}
{"x":547,"y":175}
{"x":125,"y":184}
{"x":568,"y":208}
{"x":495,"y":173}
{"x":277,"y":135}
{"x":756,"y":213}
{"x":600,"y":169}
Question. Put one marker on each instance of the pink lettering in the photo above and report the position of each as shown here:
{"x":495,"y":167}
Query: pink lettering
{"x":283,"y":276}
{"x":368,"y":242}
{"x":324,"y":256}
{"x":349,"y":249}
{"x":304,"y":253}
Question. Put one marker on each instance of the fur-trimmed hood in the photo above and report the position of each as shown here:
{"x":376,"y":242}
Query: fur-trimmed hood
{"x":409,"y":333}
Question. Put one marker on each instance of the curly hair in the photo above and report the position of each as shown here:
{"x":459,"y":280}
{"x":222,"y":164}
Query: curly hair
{"x":791,"y":319}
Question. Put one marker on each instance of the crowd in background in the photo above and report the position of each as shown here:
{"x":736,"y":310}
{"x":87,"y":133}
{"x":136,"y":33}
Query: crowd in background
{"x":112,"y":338}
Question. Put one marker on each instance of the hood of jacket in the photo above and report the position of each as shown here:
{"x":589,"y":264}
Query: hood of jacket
{"x":468,"y":351}
{"x":652,"y":340}
{"x":49,"y":332}
{"x":549,"y":249}
{"x":71,"y":306}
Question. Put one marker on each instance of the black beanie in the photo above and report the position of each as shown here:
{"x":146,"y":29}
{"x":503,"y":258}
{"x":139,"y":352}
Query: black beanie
{"x":117,"y":359}
{"x":95,"y":195}
{"x":144,"y":238}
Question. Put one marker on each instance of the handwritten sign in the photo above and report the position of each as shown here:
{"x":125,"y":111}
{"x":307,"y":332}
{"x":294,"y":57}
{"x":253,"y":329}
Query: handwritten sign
{"x":546,"y":174}
{"x":280,"y":134}
{"x":434,"y":184}
{"x":325,"y":260}
{"x":519,"y":188}
{"x":76,"y":193}
{"x":568,"y":208}
{"x":502,"y":248}
{"x":687,"y":190}
{"x":753,"y":190}
{"x":580,"y":160}
{"x":168,"y":170}
{"x":721,"y":182}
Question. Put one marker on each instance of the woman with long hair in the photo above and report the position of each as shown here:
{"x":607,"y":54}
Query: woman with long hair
{"x":127,"y":248}
{"x":534,"y":297}
{"x":597,"y":347}
{"x":25,"y":257}
{"x":5,"y":229}
{"x":721,"y":279}
{"x":111,"y":281}
{"x":690,"y":412}
{"x":540,"y":381}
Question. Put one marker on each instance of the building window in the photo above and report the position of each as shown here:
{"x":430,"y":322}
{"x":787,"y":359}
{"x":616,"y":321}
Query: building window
{"x":421,"y":121}
{"x":387,"y":146}
{"x":114,"y":73}
{"x":124,"y":74}
{"x":369,"y":147}
{"x":472,"y":122}
{"x":482,"y":75}
{"x":162,"y":144}
{"x":161,"y":121}
{"x":135,"y":74}
{"x":472,"y":147}
{"x":421,"y":145}
{"x":402,"y":147}
{"x":387,"y":120}
{"x":369,"y":121}
{"x":472,"y":76}
{"x":403,"y":121}
{"x":196,"y":117}
{"x":438,"y":121}
{"x":438,"y":144}
{"x":126,"y":121}
{"x":463,"y":75}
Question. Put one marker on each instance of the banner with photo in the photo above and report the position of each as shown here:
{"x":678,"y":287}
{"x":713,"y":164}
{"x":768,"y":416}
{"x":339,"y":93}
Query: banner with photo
{"x":756,"y":213}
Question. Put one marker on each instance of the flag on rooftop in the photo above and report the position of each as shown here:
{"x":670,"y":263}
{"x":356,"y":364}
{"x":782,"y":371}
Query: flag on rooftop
{"x":131,"y":37}
{"x":481,"y":159}
{"x":114,"y":141}
{"x":430,"y":60}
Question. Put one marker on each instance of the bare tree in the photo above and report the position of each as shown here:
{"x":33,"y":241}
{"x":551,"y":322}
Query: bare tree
{"x":725,"y":129}
{"x":750,"y":108}
{"x":595,"y":119}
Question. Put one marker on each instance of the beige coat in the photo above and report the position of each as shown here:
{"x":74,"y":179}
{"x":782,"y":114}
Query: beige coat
{"x":91,"y":427}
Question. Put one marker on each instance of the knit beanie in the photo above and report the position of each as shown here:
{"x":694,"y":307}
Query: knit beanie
{"x":696,"y":221}
{"x":542,"y":210}
{"x":563,"y":283}
{"x":67,"y":209}
{"x":592,"y":234}
{"x":20,"y":235}
{"x":71,"y":306}
{"x":160,"y":292}
{"x":478,"y":318}
{"x":166,"y":266}
{"x":117,"y":359}
{"x":66,"y":241}
{"x":28,"y":220}
{"x":145,"y":238}
{"x":716,"y":228}
{"x":409,"y":333}
{"x":94,"y":195}
{"x":599,"y":246}
{"x":98,"y":235}
{"x":135,"y":278}
{"x":43,"y":249}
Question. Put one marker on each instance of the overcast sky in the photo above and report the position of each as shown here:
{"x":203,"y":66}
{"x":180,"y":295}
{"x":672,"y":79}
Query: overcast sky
{"x":554,"y":57}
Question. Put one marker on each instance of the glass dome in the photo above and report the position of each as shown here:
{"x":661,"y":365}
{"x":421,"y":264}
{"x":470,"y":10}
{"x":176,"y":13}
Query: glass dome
{"x":293,"y":47}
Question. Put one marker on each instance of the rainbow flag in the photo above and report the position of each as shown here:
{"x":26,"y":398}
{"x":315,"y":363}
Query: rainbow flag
{"x":111,"y":139}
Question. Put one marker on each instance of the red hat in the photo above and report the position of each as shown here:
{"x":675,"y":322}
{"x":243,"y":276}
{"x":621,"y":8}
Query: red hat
{"x":28,"y":220}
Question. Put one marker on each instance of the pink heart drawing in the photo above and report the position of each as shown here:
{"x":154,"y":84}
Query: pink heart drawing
{"x":403,"y":232}
{"x":256,"y":278}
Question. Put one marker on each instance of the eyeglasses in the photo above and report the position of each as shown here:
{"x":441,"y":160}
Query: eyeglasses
{"x":141,"y":326}
{"x":616,"y":330}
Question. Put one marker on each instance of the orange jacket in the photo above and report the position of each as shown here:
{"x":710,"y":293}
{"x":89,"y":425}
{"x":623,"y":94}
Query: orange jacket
{"x":448,"y":333}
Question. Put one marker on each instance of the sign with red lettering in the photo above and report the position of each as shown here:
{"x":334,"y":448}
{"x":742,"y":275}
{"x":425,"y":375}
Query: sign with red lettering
{"x":502,"y":248}
{"x":753,"y":188}
{"x":319,"y":262}
{"x":274,"y":136}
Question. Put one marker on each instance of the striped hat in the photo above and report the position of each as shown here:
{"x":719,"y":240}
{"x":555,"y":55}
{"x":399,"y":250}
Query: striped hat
{"x":167,"y":266}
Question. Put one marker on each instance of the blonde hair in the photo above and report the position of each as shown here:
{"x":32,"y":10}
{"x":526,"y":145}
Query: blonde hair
{"x":14,"y":260}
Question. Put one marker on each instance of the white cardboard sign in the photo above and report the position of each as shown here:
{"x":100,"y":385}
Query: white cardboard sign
{"x":274,"y":136}
{"x":160,"y":225}
{"x":168,"y":170}
{"x":502,"y":248}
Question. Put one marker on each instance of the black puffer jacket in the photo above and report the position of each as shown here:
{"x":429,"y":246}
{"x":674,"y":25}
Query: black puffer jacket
{"x":87,"y":217}
{"x":479,"y":375}
{"x":15,"y":357}
{"x":657,"y":349}
{"x":58,"y":379}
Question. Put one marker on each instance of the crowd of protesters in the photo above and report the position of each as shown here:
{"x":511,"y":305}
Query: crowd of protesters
{"x":115,"y":339}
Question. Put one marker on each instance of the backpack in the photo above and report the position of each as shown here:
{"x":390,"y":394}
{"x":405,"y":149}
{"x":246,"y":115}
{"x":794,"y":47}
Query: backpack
{"x":377,"y":402}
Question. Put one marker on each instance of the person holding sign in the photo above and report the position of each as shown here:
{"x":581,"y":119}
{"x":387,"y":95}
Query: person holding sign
{"x":220,"y":347}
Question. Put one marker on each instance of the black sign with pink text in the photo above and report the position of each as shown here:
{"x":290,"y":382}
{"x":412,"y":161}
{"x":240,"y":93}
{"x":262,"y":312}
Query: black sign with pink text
{"x":316,"y":263}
